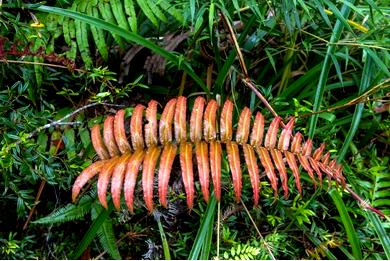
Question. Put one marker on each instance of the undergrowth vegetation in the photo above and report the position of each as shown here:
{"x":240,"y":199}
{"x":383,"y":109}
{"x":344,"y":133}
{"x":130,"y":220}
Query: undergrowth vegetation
{"x":66,"y":65}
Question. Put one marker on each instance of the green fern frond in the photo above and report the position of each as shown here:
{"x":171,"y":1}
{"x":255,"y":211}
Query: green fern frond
{"x":97,"y":33}
{"x":147,"y":11}
{"x":107,"y":15}
{"x":77,"y":34}
{"x":119,"y":14}
{"x":82,"y":32}
{"x":98,"y":222}
{"x":132,"y":17}
{"x":156,"y":10}
{"x":242,"y":252}
{"x":381,"y":198}
{"x":69,"y":212}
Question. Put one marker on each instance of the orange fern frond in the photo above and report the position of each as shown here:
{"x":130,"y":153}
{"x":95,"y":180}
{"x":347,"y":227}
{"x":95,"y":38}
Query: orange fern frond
{"x":269,"y":150}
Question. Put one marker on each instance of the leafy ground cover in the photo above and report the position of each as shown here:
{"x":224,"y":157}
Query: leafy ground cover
{"x":66,"y":64}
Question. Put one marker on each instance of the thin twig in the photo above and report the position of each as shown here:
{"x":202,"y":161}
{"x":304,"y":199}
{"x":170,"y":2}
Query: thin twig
{"x":360,"y":99}
{"x":37,"y":197}
{"x":61,"y":121}
{"x":128,"y":234}
{"x":247,"y":80}
{"x":236,"y":45}
{"x":43,"y":64}
{"x":258,"y":231}
{"x":39,"y":193}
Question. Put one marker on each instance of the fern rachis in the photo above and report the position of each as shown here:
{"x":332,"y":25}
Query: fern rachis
{"x":155,"y":142}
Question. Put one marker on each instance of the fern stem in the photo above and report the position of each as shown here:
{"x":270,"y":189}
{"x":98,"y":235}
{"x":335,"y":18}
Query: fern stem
{"x":218,"y":228}
{"x":258,"y":231}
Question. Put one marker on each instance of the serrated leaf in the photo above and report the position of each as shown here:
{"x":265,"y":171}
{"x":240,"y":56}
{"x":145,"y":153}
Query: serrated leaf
{"x":137,"y":138}
{"x":209,"y":121}
{"x":271,"y":136}
{"x":196,"y":119}
{"x":117,"y":179}
{"x":104,"y":179}
{"x":187,"y":171}
{"x":98,"y":144}
{"x":215,"y":166}
{"x":266,"y":162}
{"x":284,"y":140}
{"x":131,"y":174}
{"x":244,"y":124}
{"x":202,"y":158}
{"x":120,"y":132}
{"x":166,"y":161}
{"x":108,"y":136}
{"x":165,"y":125}
{"x":278,"y":160}
{"x":85,"y":176}
{"x":257,"y":131}
{"x":151,"y":138}
{"x":180,"y":119}
{"x":149,"y":165}
{"x":226,"y":128}
{"x":233,"y":155}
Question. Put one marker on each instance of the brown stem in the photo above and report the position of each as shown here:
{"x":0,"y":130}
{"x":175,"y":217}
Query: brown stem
{"x":39,"y":193}
{"x":247,"y":80}
{"x":32,"y":210}
{"x":362,"y":98}
{"x":43,"y":64}
{"x":364,"y":203}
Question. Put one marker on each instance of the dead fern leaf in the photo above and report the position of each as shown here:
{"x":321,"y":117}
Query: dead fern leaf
{"x":120,"y":163}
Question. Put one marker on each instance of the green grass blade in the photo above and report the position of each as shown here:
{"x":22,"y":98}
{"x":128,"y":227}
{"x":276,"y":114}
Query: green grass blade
{"x":341,"y":18}
{"x":92,"y":231}
{"x":130,"y":36}
{"x":347,"y":222}
{"x":205,"y":253}
{"x":378,"y":61}
{"x":357,"y":115}
{"x":202,"y":241}
{"x":211,"y":17}
{"x":295,"y":88}
{"x":106,"y":234}
{"x":338,"y":29}
{"x":381,"y":232}
{"x":320,"y":8}
{"x":167,"y":254}
{"x":346,"y":253}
